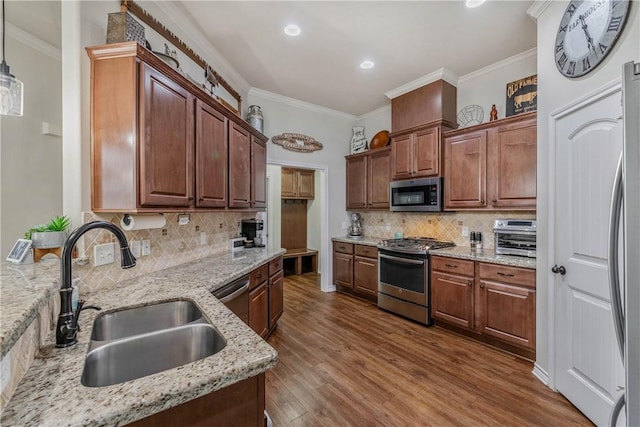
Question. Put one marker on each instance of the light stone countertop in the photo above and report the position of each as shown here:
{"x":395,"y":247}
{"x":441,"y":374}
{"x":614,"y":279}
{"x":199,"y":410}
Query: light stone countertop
{"x":366,"y":240}
{"x":51,"y":392}
{"x":486,"y":255}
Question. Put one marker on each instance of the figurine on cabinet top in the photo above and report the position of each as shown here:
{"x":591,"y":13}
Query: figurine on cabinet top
{"x":494,"y":113}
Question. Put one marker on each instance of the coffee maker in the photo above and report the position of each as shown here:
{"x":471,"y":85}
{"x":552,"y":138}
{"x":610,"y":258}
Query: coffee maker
{"x":252,"y":230}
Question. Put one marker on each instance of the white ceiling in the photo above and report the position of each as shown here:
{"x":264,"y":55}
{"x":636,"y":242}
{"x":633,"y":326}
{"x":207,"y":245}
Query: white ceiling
{"x":406,"y":40}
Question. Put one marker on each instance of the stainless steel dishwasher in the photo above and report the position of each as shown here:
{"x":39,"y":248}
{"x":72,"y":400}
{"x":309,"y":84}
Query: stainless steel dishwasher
{"x":235,"y":296}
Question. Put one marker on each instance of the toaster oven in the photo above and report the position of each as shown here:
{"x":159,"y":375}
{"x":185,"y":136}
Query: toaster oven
{"x":515,"y":237}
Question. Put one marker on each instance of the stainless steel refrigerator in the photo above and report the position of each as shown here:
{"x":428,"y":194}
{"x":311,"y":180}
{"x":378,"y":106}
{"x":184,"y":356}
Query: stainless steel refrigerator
{"x":624,"y":268}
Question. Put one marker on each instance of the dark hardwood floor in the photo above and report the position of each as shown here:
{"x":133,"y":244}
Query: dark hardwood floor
{"x":344,"y":362}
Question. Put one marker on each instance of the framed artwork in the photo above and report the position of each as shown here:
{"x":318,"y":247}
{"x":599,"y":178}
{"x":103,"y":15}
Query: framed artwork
{"x":522,"y":96}
{"x":19,"y":251}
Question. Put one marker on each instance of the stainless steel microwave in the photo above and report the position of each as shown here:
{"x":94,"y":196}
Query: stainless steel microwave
{"x":416,"y":195}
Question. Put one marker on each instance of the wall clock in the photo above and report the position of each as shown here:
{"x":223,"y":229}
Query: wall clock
{"x":587,"y":33}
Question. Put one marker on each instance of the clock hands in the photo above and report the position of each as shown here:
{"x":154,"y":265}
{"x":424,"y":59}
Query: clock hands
{"x":588,"y":36}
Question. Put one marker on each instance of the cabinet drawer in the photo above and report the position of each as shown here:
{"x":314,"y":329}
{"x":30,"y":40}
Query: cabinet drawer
{"x":367,"y":251}
{"x":258,"y":276}
{"x":275,"y":265}
{"x":452,"y":265}
{"x":344,"y":248}
{"x":507,"y":274}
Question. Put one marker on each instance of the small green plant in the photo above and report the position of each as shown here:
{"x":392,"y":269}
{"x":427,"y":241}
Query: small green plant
{"x":59,"y":223}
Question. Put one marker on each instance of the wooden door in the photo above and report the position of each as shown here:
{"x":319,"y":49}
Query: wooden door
{"x":357,"y":183}
{"x":508,"y":313}
{"x":289,"y":183}
{"x":167,"y":140}
{"x":452,"y":299}
{"x":239,"y":167}
{"x":402,"y":155}
{"x":259,"y":309}
{"x":378,"y":179}
{"x":276,"y":298}
{"x":258,"y":174}
{"x":211,"y":157}
{"x":306,"y":183}
{"x":365,"y":275}
{"x":465,"y":170}
{"x":512,"y":165}
{"x":587,"y":361}
{"x":426,"y":150}
{"x":343,"y":270}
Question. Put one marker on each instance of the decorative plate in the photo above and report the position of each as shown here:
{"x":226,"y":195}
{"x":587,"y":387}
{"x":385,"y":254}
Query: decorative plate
{"x":470,"y":115}
{"x":297,"y":142}
{"x":379,"y":140}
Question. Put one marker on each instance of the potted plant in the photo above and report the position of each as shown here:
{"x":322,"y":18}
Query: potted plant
{"x":50,"y":235}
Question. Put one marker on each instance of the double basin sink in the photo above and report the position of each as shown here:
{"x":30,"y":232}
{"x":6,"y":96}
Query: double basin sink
{"x":135,"y":342}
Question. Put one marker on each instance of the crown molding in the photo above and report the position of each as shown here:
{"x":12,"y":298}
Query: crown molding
{"x":202,"y":44}
{"x":537,"y":8}
{"x":296,"y":103}
{"x":33,"y":42}
{"x":500,"y":64}
{"x":441,"y":74}
{"x":374,"y":112}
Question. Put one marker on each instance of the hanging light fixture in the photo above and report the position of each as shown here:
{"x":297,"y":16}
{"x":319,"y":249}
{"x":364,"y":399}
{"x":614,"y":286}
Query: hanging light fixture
{"x":10,"y":87}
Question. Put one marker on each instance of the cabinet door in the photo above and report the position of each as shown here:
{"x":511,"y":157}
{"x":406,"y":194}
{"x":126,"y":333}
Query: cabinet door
{"x":402,"y":155}
{"x":508,"y":313}
{"x":512,"y":150}
{"x":378,"y":179}
{"x":452,"y":299}
{"x":276,"y":298}
{"x":343,"y":270}
{"x":259,"y":309}
{"x":239,"y":167}
{"x":289,"y":183}
{"x":306,"y":183}
{"x":427,"y":152}
{"x":211,"y":157}
{"x":357,"y":183}
{"x":365,"y":275}
{"x":258,"y":174}
{"x":465,"y":170}
{"x":166,"y":149}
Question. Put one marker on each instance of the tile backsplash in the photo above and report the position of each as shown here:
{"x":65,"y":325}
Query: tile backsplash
{"x":441,"y":225}
{"x":172,"y":245}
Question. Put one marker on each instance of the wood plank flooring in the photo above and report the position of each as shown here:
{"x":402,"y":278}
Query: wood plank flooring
{"x":344,"y":362}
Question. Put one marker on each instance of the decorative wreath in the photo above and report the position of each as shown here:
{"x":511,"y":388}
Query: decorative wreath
{"x":297,"y":142}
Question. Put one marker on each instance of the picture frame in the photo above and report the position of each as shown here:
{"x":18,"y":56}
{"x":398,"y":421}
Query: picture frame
{"x":522,"y":96}
{"x":19,"y":252}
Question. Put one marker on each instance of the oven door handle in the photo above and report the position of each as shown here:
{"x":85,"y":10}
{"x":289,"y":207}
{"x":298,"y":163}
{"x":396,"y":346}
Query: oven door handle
{"x":402,"y":260}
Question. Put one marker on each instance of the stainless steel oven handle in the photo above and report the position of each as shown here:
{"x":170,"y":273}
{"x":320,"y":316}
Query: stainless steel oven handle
{"x":403,"y":260}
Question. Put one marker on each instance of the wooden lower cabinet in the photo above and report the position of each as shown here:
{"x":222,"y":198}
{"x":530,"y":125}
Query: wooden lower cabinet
{"x":240,"y":404}
{"x":365,"y":275}
{"x":495,"y":303}
{"x":259,"y":309}
{"x":266,"y":297}
{"x":355,"y":269}
{"x":276,"y":298}
{"x":343,"y":264}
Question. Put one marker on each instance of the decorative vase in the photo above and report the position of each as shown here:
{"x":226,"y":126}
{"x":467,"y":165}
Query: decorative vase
{"x":48,"y":239}
{"x":254,"y":117}
{"x":358,"y":140}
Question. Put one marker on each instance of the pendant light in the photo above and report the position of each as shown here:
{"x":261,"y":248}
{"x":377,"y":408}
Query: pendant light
{"x":10,"y":87}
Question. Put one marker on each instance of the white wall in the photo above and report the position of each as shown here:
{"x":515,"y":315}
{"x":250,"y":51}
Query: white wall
{"x":554,"y":92}
{"x":274,"y":207}
{"x":31,"y":171}
{"x":375,"y":121}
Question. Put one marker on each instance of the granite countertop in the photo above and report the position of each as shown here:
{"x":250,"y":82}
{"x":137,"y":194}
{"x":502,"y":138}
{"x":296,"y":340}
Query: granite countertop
{"x":486,"y":255}
{"x":366,"y":240}
{"x":51,"y":392}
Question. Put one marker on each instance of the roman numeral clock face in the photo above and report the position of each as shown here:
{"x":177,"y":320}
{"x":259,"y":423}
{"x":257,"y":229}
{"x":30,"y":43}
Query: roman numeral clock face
{"x":587,"y":33}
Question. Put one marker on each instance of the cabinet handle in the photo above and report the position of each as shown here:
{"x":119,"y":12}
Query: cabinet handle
{"x":500,"y":273}
{"x":201,"y":200}
{"x":482,"y":201}
{"x":469,"y":284}
{"x":451,"y":265}
{"x":482,"y":285}
{"x":494,"y":201}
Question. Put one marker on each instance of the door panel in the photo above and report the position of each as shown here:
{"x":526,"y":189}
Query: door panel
{"x":239,"y":167}
{"x":427,"y":149}
{"x":465,"y":170}
{"x":211,"y":157}
{"x":379,"y":174}
{"x":402,"y":147}
{"x":357,"y":183}
{"x":258,"y":174}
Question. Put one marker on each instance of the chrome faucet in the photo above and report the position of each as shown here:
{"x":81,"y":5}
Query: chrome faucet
{"x":67,"y":328}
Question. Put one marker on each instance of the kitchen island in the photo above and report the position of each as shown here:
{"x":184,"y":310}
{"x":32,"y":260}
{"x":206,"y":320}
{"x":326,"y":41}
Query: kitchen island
{"x":51,"y":393}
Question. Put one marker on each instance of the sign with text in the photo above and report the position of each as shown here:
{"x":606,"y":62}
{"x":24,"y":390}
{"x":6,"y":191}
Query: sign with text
{"x":522,"y":96}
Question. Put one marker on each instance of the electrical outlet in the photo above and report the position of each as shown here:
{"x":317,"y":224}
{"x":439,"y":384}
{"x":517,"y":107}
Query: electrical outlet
{"x":146,"y":247}
{"x":465,"y":231}
{"x":388,"y":226}
{"x":203,"y":238}
{"x":136,"y":248}
{"x":345,"y":225}
{"x":103,"y":254}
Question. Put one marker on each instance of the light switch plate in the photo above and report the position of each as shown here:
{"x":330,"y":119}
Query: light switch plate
{"x":136,"y":248}
{"x":203,"y":238}
{"x":465,"y":231}
{"x":103,"y":254}
{"x":146,"y":247}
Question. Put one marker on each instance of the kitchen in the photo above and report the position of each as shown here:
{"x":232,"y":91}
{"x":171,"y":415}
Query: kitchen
{"x":315,"y":121}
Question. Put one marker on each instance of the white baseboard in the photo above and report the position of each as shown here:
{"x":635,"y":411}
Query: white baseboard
{"x":541,"y":374}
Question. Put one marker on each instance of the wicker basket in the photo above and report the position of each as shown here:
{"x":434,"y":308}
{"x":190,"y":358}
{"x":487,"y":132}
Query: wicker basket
{"x":122,"y":27}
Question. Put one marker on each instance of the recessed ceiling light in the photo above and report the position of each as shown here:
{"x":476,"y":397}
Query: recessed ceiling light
{"x":474,"y":3}
{"x":365,"y":65}
{"x":292,"y":30}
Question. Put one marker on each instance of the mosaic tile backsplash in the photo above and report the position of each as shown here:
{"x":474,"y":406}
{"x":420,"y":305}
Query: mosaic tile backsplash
{"x":441,"y":225}
{"x":170,"y":246}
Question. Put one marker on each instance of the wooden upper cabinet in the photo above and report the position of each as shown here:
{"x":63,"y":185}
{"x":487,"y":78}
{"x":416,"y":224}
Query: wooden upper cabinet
{"x":297,"y":183}
{"x":357,"y":182}
{"x":402,"y":149}
{"x":288,"y":183}
{"x":258,"y":174}
{"x":425,"y":105}
{"x":379,"y":169}
{"x":211,"y":157}
{"x":166,"y":152}
{"x":465,"y":170}
{"x":239,"y":167}
{"x":306,"y":183}
{"x":427,"y":152}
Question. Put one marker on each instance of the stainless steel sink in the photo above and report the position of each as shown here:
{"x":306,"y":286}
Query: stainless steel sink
{"x":148,"y":318}
{"x":135,"y":342}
